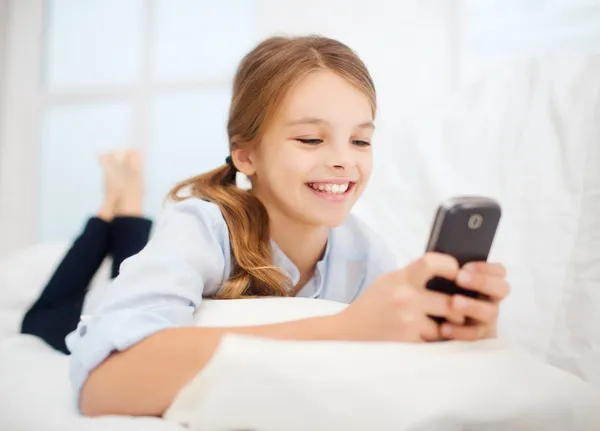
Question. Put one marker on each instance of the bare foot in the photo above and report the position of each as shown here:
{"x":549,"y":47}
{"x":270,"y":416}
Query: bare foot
{"x":131,"y":200}
{"x":112,"y":186}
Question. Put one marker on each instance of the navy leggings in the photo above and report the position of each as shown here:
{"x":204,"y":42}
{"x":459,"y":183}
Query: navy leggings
{"x":58,"y":309}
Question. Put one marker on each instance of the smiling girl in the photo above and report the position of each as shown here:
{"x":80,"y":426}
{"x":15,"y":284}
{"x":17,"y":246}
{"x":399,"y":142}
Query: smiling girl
{"x":300,"y":127}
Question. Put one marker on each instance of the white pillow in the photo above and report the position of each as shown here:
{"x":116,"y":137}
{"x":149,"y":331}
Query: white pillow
{"x":261,"y":384}
{"x":258,"y":311}
{"x":22,"y":277}
{"x":36,"y":395}
{"x":24,"y":274}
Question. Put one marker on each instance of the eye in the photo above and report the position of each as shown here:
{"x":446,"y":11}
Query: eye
{"x":361,"y":143}
{"x":310,"y":141}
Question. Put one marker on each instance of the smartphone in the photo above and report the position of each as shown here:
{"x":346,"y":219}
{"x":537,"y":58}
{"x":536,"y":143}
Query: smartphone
{"x":464,"y":227}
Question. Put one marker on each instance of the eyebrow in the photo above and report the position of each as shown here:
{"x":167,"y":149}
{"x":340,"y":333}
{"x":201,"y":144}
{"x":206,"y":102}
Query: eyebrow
{"x":312,"y":120}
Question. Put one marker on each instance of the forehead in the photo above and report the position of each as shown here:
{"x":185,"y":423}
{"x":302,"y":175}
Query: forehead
{"x":328,"y":96}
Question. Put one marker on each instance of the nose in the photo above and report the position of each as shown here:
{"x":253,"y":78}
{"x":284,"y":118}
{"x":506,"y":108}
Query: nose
{"x":340,"y":155}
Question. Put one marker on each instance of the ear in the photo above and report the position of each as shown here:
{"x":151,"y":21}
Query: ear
{"x":243,"y":160}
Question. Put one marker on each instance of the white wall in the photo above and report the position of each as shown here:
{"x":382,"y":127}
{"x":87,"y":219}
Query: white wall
{"x":19,"y":127}
{"x":3,"y":34}
{"x":3,"y":43}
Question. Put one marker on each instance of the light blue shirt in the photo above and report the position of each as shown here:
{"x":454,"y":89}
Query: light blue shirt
{"x":188,"y":258}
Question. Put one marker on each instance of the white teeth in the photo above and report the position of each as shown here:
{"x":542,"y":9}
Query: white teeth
{"x":331,"y":188}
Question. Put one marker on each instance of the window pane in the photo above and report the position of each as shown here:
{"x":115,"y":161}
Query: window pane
{"x":70,"y":182}
{"x":188,"y":136}
{"x":199,"y":39}
{"x":93,"y":42}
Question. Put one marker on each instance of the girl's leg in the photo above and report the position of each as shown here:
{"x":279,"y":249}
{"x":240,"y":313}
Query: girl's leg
{"x":128,"y":236}
{"x":57,"y":310}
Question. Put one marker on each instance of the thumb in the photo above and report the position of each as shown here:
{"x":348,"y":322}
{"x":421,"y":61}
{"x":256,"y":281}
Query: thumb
{"x":431,"y":265}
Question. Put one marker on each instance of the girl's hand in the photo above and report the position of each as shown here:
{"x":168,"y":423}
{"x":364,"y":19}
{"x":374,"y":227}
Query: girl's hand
{"x":488,"y":279}
{"x":397,"y":306}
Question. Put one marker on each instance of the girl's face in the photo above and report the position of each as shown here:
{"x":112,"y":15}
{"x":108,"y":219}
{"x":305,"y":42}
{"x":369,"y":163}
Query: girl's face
{"x":315,"y":159}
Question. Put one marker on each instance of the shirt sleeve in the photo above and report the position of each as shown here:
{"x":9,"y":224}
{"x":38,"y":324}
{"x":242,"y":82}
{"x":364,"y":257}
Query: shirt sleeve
{"x":156,"y":289}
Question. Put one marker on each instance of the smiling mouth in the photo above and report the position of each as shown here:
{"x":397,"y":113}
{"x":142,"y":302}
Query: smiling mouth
{"x":332,"y":189}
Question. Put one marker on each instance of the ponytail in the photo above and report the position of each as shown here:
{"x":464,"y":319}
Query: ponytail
{"x":252,"y":270}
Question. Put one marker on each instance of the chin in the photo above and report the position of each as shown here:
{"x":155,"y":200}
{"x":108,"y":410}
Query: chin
{"x":332,"y":220}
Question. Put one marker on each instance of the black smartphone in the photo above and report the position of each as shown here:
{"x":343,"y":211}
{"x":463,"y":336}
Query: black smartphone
{"x":464,"y":227}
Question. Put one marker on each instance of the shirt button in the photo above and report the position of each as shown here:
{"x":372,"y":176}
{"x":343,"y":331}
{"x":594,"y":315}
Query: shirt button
{"x":82,"y":330}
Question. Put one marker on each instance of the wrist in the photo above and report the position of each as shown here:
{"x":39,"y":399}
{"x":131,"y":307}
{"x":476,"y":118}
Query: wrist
{"x":336,"y":327}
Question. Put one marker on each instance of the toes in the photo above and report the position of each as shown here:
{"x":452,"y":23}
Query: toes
{"x":135,"y":159}
{"x":120,"y":156}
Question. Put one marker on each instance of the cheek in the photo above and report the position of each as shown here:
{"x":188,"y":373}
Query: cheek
{"x":296,"y":165}
{"x":365,"y":166}
{"x":291,"y":174}
{"x":288,"y":177}
{"x":285,"y":173}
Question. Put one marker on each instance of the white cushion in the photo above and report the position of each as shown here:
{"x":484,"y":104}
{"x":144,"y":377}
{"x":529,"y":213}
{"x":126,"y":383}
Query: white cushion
{"x":254,"y":383}
{"x":24,"y":274}
{"x":258,"y":311}
{"x":36,"y":395}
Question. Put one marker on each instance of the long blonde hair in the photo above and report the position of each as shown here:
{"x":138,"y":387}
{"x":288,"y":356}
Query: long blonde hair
{"x":263,"y":80}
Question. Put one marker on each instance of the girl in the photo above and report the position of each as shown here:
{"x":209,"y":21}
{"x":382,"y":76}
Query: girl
{"x":300,"y":127}
{"x":118,"y":229}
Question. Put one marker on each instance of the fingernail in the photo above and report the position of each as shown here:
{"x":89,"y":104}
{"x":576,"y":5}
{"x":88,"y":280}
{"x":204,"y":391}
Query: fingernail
{"x":468,"y":266}
{"x":464,"y":276}
{"x":459,"y":302}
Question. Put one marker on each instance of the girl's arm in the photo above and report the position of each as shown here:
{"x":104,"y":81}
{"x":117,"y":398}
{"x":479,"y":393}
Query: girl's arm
{"x":140,"y":346}
{"x":144,"y":379}
{"x":156,"y":291}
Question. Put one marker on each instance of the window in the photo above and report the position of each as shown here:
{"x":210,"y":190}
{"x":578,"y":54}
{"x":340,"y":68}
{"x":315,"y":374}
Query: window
{"x":85,"y":77}
{"x":132,"y":73}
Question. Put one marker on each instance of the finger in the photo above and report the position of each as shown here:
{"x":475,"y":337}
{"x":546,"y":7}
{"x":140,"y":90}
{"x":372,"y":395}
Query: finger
{"x":429,"y":266}
{"x":464,"y":333}
{"x":435,"y":303}
{"x":439,"y":305}
{"x":456,"y":318}
{"x":481,"y":311}
{"x":489,"y":268}
{"x":430,"y":330}
{"x":494,"y":287}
